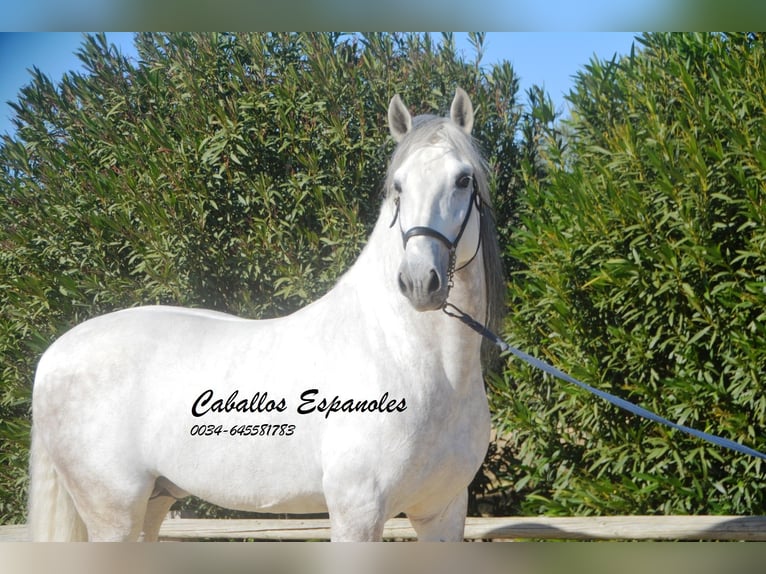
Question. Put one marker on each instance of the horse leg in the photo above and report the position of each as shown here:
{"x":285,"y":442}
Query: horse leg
{"x":357,"y":511}
{"x":358,"y":524}
{"x":446,"y":525}
{"x":116,"y":522}
{"x":164,"y":495}
{"x":111,"y":513}
{"x":156,"y":511}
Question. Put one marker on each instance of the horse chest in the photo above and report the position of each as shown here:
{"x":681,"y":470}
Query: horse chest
{"x":447,"y":436}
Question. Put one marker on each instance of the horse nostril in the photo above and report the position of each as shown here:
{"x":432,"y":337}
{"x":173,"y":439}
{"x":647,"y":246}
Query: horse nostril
{"x":434,"y":283}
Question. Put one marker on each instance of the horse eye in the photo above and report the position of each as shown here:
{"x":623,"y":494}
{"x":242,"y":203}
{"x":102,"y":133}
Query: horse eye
{"x":397,"y":187}
{"x":464,"y":181}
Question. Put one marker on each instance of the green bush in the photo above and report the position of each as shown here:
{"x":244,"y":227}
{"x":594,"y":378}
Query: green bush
{"x":642,"y":270}
{"x":236,"y":172}
{"x":243,"y":173}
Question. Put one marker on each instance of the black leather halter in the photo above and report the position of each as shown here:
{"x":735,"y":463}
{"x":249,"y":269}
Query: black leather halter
{"x":451,"y":245}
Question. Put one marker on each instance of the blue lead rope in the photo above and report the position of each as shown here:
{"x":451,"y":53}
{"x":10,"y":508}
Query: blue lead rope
{"x":453,"y":311}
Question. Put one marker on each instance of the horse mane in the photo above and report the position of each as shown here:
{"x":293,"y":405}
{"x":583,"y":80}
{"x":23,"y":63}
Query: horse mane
{"x":430,"y":129}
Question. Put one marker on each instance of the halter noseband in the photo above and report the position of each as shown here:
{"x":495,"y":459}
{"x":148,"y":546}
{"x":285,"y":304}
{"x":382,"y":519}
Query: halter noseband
{"x":430,"y":232}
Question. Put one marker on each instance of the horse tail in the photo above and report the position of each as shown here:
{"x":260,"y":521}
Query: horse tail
{"x":52,"y":516}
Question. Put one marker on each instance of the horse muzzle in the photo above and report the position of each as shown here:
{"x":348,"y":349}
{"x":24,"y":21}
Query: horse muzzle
{"x":424,"y":274}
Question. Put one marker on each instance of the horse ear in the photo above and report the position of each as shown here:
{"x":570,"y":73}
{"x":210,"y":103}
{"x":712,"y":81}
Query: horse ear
{"x":399,"y":119}
{"x":461,"y":111}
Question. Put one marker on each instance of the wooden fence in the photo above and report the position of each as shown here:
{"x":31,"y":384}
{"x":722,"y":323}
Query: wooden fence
{"x":730,"y":528}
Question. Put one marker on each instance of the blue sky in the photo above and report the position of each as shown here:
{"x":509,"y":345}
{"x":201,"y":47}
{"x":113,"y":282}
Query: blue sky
{"x":550,"y":59}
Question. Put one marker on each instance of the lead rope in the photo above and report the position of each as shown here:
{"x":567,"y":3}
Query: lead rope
{"x":466,"y":319}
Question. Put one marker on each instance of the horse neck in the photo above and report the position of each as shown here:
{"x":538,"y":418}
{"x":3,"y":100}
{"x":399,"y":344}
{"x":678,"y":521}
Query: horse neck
{"x":374,"y":277}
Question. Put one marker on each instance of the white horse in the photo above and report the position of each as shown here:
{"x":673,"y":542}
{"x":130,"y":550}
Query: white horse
{"x":367,"y":403}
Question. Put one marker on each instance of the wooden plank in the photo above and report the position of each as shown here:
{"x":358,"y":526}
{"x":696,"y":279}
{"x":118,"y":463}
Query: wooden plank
{"x":259,"y":529}
{"x":751,"y":528}
{"x":13,"y":533}
{"x":731,"y":528}
{"x":619,"y":528}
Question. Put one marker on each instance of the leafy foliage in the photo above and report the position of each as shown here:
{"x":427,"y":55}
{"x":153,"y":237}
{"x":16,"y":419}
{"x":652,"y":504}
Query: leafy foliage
{"x":242,"y":173}
{"x":642,"y":270}
{"x":235,"y":172}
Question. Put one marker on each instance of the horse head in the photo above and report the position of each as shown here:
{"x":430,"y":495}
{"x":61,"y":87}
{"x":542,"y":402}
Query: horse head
{"x":433,"y":181}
